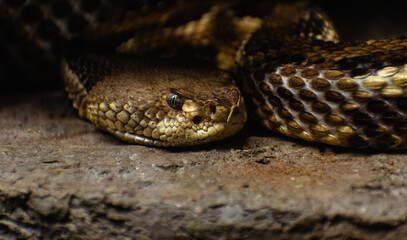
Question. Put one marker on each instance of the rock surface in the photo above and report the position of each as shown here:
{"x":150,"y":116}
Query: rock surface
{"x":62,"y":178}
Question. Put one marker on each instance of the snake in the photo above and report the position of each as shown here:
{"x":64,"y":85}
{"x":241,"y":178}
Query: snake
{"x":283,"y":64}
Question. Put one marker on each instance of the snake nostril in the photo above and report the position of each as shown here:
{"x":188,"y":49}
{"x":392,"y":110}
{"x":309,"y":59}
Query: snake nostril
{"x":196,"y":119}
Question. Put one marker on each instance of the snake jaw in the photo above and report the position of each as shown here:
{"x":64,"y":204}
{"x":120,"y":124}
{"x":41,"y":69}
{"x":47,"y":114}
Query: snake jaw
{"x":198,"y":121}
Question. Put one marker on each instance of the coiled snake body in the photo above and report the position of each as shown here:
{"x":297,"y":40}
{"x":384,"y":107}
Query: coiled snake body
{"x":298,"y":77}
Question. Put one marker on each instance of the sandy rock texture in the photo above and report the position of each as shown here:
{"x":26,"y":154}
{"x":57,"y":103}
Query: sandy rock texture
{"x":60,"y":178}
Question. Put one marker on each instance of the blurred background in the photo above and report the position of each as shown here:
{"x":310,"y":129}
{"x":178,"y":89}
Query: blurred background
{"x":355,"y":20}
{"x":364,"y":20}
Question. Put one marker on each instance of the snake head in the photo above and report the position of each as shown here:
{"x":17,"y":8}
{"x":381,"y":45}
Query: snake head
{"x":158,"y":104}
{"x":212,"y":115}
{"x":202,"y":114}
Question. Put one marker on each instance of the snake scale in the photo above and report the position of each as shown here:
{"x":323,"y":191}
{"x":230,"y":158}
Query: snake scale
{"x":297,"y":77}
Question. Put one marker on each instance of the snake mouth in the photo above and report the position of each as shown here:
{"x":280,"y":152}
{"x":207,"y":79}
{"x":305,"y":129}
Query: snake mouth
{"x":133,"y":138}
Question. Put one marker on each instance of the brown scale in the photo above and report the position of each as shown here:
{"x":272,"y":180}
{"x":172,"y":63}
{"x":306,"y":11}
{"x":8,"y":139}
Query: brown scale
{"x":320,"y":84}
{"x":296,"y":82}
{"x":362,"y":95}
{"x":334,"y":119}
{"x":347,"y":84}
{"x":309,"y":73}
{"x":284,"y":113}
{"x":295,"y":104}
{"x":275,"y":101}
{"x":334,"y":96}
{"x":307,"y":95}
{"x":308,"y":117}
{"x":275,"y":80}
{"x":294,"y":126}
{"x":320,"y":107}
{"x":349,"y":107}
{"x":284,"y":93}
{"x":288,"y":71}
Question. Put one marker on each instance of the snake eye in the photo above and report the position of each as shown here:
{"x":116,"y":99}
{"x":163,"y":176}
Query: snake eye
{"x":175,"y":101}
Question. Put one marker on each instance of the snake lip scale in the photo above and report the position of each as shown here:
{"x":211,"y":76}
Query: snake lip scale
{"x":298,"y":78}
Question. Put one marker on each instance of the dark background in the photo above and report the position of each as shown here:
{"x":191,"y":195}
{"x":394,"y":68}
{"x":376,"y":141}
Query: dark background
{"x":363,"y":20}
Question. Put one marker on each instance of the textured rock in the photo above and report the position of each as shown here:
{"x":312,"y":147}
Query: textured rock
{"x":62,"y":178}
